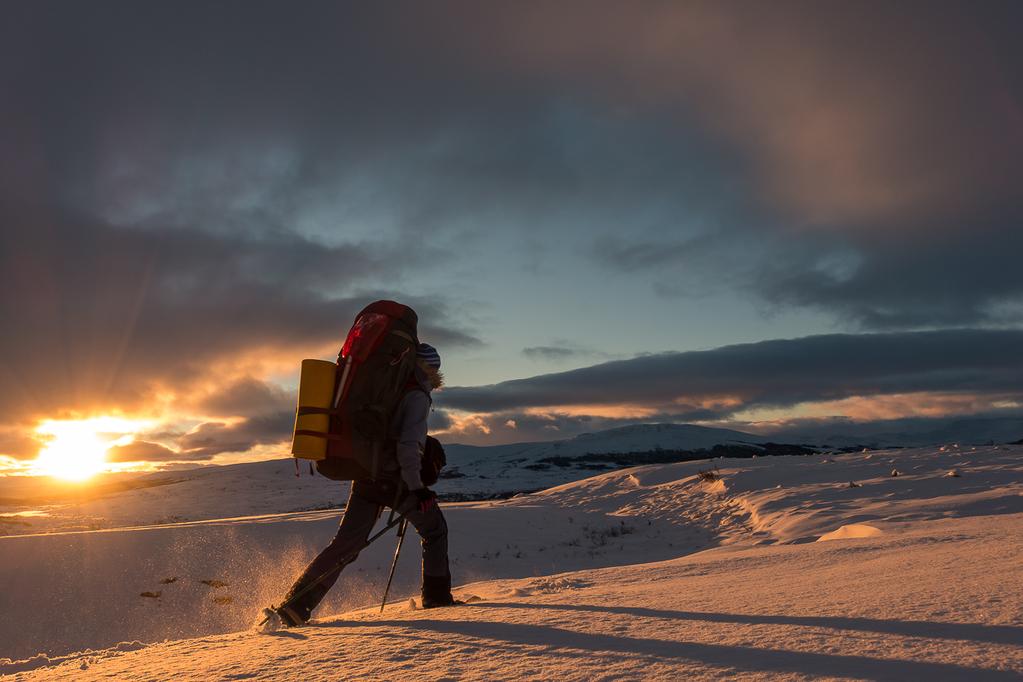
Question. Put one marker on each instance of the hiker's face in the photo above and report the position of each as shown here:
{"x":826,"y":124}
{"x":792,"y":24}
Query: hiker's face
{"x":433,"y":376}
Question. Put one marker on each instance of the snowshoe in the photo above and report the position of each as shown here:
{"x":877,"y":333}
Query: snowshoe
{"x":269,"y":621}
{"x":290,"y":617}
{"x":279,"y":618}
{"x":471,"y":599}
{"x":431,"y":604}
{"x":437,"y":591}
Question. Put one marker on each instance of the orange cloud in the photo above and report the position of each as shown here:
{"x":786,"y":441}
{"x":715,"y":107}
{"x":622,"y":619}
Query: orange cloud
{"x":711,"y":402}
{"x":623,"y":411}
{"x":879,"y":407}
{"x":467,"y":425}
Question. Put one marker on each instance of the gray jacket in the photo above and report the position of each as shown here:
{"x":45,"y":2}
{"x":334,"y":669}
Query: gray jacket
{"x":408,"y":427}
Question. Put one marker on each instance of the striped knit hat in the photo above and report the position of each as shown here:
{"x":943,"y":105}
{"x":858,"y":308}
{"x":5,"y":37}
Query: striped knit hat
{"x":429,"y":355}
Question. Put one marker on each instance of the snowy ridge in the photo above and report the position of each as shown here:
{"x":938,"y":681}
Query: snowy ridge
{"x":639,"y":437}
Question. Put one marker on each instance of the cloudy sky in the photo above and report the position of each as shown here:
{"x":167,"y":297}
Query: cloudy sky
{"x":725,"y":212}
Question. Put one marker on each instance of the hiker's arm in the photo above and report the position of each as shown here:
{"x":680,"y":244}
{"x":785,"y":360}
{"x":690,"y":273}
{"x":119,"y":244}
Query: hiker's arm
{"x":412,"y":437}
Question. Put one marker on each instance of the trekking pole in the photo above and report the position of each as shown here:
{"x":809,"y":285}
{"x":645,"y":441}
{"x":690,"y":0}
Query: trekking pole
{"x":394,"y":564}
{"x":400,"y":519}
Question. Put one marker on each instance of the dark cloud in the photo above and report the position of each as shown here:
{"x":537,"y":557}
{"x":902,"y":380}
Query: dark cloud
{"x":551,"y":352}
{"x":246,"y":397}
{"x":882,"y":280}
{"x":167,"y":211}
{"x":143,"y":451}
{"x":440,"y":420}
{"x":214,"y":438}
{"x":780,"y":129}
{"x":101,"y":315}
{"x":773,"y":373}
{"x":951,"y":277}
{"x":515,"y":426}
{"x":887,"y":163}
{"x":563,"y":351}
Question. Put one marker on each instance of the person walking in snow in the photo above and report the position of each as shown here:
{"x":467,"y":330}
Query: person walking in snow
{"x":408,"y":429}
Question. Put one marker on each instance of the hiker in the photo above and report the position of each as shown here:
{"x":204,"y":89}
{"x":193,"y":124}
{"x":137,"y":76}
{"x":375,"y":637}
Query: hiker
{"x":401,"y":488}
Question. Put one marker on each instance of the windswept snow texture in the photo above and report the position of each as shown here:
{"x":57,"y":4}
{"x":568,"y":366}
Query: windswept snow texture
{"x":674,"y":571}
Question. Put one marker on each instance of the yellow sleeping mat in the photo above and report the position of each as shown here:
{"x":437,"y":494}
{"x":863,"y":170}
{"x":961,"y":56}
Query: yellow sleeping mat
{"x":315,"y":390}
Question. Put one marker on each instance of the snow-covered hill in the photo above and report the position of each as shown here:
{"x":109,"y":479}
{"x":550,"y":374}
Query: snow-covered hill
{"x":272,"y":487}
{"x":658,"y":572}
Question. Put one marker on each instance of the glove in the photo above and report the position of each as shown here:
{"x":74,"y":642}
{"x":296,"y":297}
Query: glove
{"x":426,"y":499}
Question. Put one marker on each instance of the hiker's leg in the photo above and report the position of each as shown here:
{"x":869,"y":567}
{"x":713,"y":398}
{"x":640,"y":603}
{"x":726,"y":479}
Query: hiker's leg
{"x":356,"y":523}
{"x":433,"y":530}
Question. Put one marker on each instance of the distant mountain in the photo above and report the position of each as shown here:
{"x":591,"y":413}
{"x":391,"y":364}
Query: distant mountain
{"x":640,"y":437}
{"x":909,"y":432}
{"x":633,"y":438}
{"x":523,"y":466}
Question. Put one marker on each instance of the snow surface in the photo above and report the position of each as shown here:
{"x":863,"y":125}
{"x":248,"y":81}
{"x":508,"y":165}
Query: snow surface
{"x":656,"y":572}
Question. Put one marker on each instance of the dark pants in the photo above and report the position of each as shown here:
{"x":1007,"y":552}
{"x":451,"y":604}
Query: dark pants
{"x":365,"y":504}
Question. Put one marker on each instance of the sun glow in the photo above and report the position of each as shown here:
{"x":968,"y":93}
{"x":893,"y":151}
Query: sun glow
{"x":77,"y":449}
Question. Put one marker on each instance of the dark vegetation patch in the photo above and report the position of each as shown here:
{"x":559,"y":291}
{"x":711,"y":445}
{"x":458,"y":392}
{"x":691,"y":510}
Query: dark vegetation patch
{"x":478,"y":497}
{"x":709,"y":476}
{"x":610,"y":460}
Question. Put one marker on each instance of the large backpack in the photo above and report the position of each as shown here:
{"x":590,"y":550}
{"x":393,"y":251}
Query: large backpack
{"x":374,"y":366}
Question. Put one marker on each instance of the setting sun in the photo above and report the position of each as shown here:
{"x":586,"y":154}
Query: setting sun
{"x":77,"y":449}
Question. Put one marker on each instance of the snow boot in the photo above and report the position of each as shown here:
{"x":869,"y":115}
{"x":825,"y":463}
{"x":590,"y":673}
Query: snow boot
{"x":290,"y":618}
{"x":437,"y":591}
